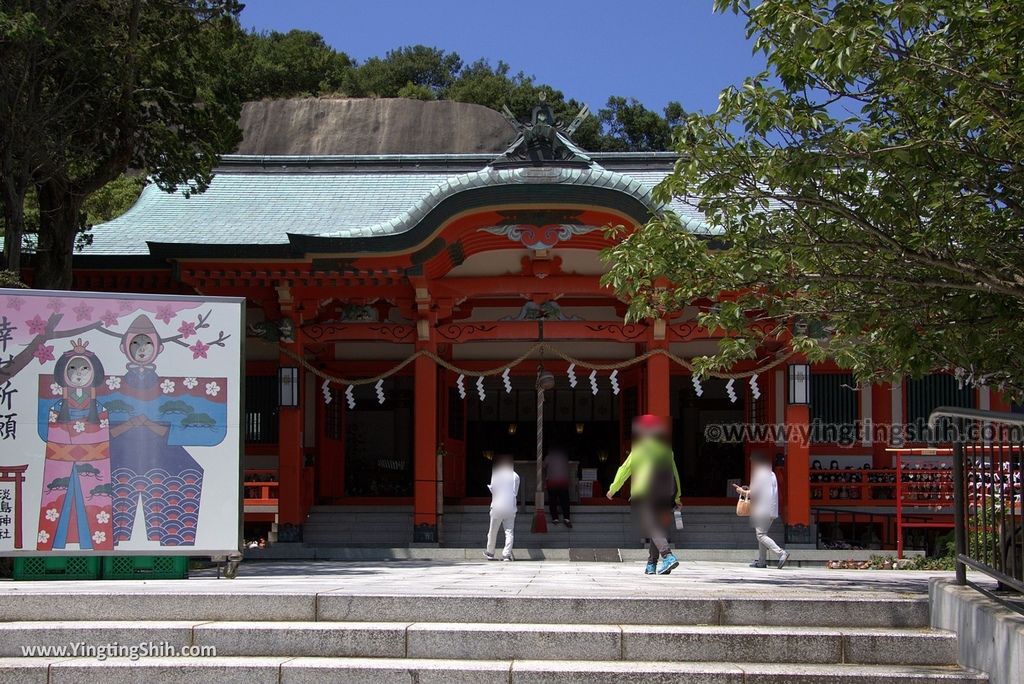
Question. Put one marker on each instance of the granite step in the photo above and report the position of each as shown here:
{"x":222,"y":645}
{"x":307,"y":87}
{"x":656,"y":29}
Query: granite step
{"x":298,"y":606}
{"x":284,"y":670}
{"x":486,"y":641}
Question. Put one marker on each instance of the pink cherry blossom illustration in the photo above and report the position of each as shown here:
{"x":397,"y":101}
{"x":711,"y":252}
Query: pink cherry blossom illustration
{"x":199,"y":350}
{"x":36,"y":326}
{"x":44,"y":353}
{"x":83,"y":312}
{"x":187,"y":329}
{"x":165,"y":313}
{"x":55,"y":304}
{"x":109,"y":319}
{"x":15,"y":303}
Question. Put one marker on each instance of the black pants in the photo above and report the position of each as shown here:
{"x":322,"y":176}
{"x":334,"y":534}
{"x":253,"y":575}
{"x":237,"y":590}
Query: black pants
{"x":655,"y":518}
{"x":558,"y":499}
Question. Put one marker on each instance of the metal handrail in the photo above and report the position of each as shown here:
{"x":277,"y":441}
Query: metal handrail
{"x":974,"y":414}
{"x":963,"y":559}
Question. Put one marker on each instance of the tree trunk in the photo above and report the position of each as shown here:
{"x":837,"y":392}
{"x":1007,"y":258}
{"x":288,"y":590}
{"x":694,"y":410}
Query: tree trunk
{"x":60,"y":218}
{"x":14,"y":229}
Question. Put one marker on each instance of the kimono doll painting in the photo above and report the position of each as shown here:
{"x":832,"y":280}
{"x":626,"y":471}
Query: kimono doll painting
{"x":154,"y":417}
{"x":75,"y":507}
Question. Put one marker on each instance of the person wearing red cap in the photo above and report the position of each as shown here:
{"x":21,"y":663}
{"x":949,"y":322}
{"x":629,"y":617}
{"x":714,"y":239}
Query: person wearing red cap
{"x":655,"y":487}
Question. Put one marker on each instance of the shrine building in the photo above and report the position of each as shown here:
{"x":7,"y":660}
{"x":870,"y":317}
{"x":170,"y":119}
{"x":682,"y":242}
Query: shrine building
{"x":428,"y":268}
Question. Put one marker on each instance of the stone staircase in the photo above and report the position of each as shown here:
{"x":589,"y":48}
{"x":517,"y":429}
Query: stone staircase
{"x":704,"y":527}
{"x":296,"y":636}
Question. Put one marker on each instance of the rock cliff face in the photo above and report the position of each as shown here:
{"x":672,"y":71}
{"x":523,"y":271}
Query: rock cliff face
{"x":370,"y":126}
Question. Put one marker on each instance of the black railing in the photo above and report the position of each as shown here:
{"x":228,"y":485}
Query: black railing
{"x":988,"y":466}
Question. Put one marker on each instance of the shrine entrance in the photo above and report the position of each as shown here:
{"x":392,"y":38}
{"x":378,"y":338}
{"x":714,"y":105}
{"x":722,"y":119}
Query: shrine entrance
{"x":583,"y":424}
{"x":706,"y":465}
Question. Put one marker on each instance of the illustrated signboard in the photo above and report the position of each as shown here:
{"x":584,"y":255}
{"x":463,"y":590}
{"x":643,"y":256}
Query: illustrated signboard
{"x":119,"y":423}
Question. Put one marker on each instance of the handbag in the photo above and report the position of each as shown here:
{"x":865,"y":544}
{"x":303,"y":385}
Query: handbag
{"x":743,"y":505}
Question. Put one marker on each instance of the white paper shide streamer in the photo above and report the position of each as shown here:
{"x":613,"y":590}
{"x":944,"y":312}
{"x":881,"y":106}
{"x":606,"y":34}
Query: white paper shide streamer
{"x":461,"y":384}
{"x":755,"y":391}
{"x":613,"y":378}
{"x":593,"y":381}
{"x":326,"y":389}
{"x":698,"y":389}
{"x":572,"y":375}
{"x":350,"y":397}
{"x":507,"y":380}
{"x":480,"y":388}
{"x":730,"y":390}
{"x":379,"y":386}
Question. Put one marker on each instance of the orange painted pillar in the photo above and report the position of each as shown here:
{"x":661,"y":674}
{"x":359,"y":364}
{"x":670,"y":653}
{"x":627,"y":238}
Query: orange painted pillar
{"x":658,"y":377}
{"x":798,"y":474}
{"x":425,"y":451}
{"x":290,"y":457}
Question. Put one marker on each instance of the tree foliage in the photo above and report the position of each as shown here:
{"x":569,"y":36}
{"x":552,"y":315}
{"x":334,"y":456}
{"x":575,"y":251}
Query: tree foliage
{"x":119,"y":84}
{"x":869,"y":187}
{"x":293,"y":64}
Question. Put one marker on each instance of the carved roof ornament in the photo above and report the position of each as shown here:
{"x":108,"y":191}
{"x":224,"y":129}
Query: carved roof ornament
{"x":547,"y":311}
{"x":543,"y":141}
{"x":539,"y":237}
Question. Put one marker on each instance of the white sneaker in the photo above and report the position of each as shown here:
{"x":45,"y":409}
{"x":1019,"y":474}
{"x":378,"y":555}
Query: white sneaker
{"x":488,"y":556}
{"x":508,"y":558}
{"x":782,"y":559}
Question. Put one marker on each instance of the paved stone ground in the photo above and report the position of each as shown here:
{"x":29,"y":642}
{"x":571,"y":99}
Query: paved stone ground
{"x":521,"y":578}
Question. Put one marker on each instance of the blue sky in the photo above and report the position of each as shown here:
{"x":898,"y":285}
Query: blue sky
{"x":655,"y":51}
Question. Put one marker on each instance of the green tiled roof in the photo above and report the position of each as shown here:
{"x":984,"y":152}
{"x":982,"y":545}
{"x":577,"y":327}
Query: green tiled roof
{"x":260,"y":200}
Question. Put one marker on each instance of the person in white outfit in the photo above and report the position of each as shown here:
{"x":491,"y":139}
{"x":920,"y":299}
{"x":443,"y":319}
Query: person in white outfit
{"x":504,"y":489}
{"x":764,"y":509}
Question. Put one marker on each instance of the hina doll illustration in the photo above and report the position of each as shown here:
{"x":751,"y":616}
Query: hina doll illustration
{"x":153,"y":419}
{"x":76,"y":507}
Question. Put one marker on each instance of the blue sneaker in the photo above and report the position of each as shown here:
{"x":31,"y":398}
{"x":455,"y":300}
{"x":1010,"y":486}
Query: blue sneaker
{"x":652,"y":568}
{"x":668,"y":564}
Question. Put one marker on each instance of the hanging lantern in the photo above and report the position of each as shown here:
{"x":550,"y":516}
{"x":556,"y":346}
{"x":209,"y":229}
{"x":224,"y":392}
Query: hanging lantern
{"x":799,"y":383}
{"x":288,"y":386}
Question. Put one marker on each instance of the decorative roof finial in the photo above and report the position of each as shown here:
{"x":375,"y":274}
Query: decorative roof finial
{"x":543,"y":141}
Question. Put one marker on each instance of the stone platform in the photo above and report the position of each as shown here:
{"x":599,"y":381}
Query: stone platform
{"x":424,"y":621}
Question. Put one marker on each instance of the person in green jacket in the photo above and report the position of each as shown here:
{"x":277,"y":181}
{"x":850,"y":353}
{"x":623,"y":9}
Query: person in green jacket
{"x":655,"y":488}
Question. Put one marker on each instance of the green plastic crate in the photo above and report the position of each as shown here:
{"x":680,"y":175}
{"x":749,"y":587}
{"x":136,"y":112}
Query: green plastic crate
{"x":56,"y":568}
{"x":145,"y":567}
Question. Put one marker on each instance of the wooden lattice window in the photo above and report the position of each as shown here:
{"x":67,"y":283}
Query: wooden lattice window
{"x":834,"y":408}
{"x":332,"y":418}
{"x":926,"y":394}
{"x":261,"y":409}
